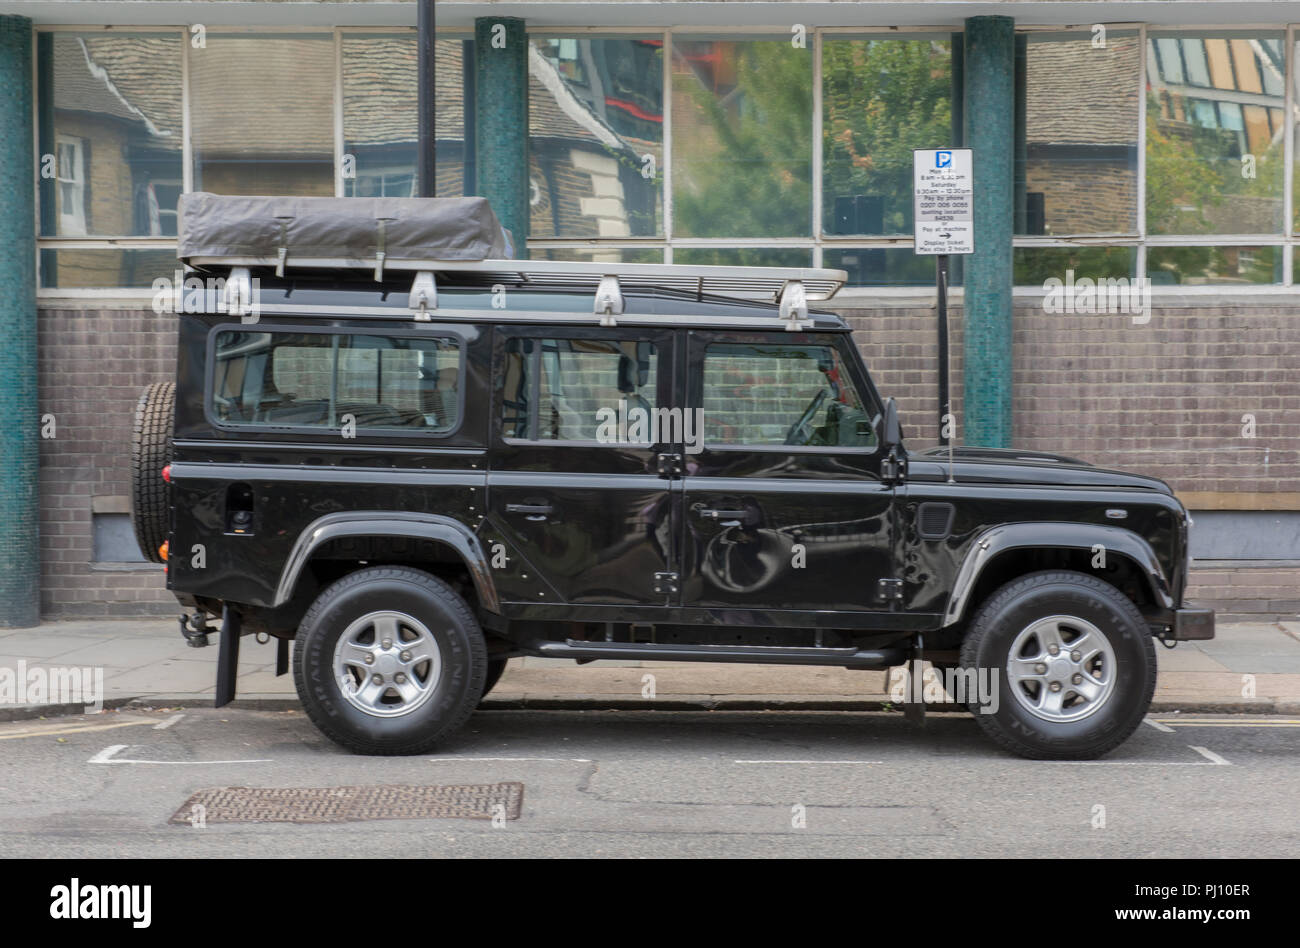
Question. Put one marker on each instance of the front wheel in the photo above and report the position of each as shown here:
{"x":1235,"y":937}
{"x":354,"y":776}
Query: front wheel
{"x":389,"y":660}
{"x":1071,"y":662}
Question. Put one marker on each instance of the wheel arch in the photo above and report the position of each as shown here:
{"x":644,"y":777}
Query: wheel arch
{"x":444,"y":531}
{"x":998,"y":547}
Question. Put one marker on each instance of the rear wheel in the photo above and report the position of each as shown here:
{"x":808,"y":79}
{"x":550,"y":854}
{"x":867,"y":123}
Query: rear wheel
{"x":151,"y":451}
{"x":1071,"y":663}
{"x":389,"y":660}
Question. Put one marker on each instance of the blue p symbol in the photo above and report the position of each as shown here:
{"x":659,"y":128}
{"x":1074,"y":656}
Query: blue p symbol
{"x":942,"y":159}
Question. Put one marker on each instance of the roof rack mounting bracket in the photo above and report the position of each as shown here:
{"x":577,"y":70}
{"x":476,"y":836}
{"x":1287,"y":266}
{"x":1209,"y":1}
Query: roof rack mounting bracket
{"x":424,"y":296}
{"x":237,"y":295}
{"x":282,"y":252}
{"x":794,"y":305}
{"x":609,"y":300}
{"x":380,"y":250}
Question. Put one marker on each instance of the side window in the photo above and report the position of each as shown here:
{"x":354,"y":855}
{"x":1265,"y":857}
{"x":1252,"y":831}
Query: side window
{"x":575,"y":389}
{"x":782,"y":395}
{"x":326,"y":380}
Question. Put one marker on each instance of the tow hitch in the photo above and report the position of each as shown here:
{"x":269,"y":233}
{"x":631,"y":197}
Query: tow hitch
{"x":195,"y":629}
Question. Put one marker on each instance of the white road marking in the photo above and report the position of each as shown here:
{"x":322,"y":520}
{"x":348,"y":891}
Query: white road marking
{"x":164,"y":725}
{"x":1210,"y":755}
{"x":1236,"y":724}
{"x":564,"y":760}
{"x":1158,"y":726}
{"x":808,"y":762}
{"x":108,"y":756}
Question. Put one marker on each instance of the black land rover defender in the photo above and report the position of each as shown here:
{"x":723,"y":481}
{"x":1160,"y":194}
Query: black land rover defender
{"x":419,"y":470}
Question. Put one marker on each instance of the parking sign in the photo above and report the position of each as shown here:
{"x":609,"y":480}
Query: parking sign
{"x":943,"y":201}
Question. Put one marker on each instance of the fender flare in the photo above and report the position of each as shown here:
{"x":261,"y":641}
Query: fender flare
{"x":1050,"y":535}
{"x":387,"y":523}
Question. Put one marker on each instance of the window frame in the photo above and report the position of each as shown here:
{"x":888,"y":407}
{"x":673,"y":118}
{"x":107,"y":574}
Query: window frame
{"x":317,"y":431}
{"x":839,"y":342}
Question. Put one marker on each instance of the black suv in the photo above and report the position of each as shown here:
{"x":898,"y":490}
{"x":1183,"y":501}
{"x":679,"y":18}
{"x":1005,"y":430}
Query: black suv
{"x":417,"y":480}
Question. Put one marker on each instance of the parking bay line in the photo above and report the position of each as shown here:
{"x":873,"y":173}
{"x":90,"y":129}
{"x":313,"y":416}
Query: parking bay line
{"x":56,"y":731}
{"x":831,"y":762}
{"x":108,"y":756}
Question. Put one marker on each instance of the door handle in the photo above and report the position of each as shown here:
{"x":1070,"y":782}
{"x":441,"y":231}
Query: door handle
{"x":709,"y":513}
{"x":533,"y":511}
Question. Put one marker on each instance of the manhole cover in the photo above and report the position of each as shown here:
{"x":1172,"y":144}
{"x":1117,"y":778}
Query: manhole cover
{"x":484,"y":801}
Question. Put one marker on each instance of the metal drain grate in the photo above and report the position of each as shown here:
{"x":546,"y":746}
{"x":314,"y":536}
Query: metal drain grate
{"x":483,"y":801}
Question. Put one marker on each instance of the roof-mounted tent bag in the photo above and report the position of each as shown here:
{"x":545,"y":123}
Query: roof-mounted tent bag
{"x":432,"y":235}
{"x":237,"y":230}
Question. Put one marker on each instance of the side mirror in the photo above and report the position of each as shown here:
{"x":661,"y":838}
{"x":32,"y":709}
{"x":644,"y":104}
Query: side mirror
{"x":892,"y":431}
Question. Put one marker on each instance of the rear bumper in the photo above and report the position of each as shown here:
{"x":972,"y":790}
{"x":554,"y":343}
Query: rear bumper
{"x":1192,"y":624}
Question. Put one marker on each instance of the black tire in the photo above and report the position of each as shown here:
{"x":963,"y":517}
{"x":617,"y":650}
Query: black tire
{"x":151,"y":451}
{"x":1009,"y":613}
{"x":495,"y":669}
{"x":453,"y":693}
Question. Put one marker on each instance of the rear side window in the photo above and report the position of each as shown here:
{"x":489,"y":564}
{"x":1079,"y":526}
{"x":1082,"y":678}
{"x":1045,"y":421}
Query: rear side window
{"x":564,"y":389}
{"x":327,"y":380}
{"x":782,"y":395}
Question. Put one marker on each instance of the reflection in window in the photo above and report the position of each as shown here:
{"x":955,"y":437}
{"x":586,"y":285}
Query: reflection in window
{"x":595,"y":115}
{"x":262,"y":114}
{"x":321,"y":380}
{"x":381,"y":114}
{"x":1081,"y":135}
{"x":881,"y":98}
{"x":742,"y":138}
{"x":1034,"y":266}
{"x":566,"y":389}
{"x":1214,"y":146}
{"x":782,"y":395}
{"x":1201,"y":266}
{"x":743,"y":256}
{"x":110,"y":121}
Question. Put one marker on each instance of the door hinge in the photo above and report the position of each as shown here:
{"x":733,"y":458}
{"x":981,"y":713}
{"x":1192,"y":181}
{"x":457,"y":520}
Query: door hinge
{"x":889,"y":590}
{"x":893,"y":469}
{"x":671,"y":465}
{"x":666,"y":584}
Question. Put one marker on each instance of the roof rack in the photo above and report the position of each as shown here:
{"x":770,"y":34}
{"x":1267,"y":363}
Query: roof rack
{"x":791,"y":289}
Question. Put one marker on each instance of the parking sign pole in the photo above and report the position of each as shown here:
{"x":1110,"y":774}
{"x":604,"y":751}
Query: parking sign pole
{"x":941,"y":290}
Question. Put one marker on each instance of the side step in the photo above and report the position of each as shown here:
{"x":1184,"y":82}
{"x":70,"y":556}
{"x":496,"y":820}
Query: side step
{"x":759,"y":654}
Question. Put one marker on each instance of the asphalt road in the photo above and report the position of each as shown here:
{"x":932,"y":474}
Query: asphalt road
{"x":666,"y":783}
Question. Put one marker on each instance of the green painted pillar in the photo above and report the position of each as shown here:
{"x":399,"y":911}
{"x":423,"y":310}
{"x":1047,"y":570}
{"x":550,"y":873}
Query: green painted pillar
{"x":989,"y":107}
{"x":501,"y":121}
{"x":20,"y":560}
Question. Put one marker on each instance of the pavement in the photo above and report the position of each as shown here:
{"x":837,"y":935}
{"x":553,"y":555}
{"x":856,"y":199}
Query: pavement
{"x":1250,"y":667}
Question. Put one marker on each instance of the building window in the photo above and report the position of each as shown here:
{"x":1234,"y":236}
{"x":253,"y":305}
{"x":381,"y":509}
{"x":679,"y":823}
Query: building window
{"x":262,"y":114}
{"x":742,"y":138}
{"x":109,"y":130}
{"x":1215,"y":133}
{"x":595,"y":137}
{"x":380,"y":117}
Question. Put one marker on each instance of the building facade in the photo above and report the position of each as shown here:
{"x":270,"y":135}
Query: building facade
{"x":1132,"y":300}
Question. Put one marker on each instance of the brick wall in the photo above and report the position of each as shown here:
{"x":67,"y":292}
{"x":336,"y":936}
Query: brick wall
{"x":93,"y":365}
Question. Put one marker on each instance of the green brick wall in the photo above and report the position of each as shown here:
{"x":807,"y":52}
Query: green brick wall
{"x":501,"y":121}
{"x":19,"y":417}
